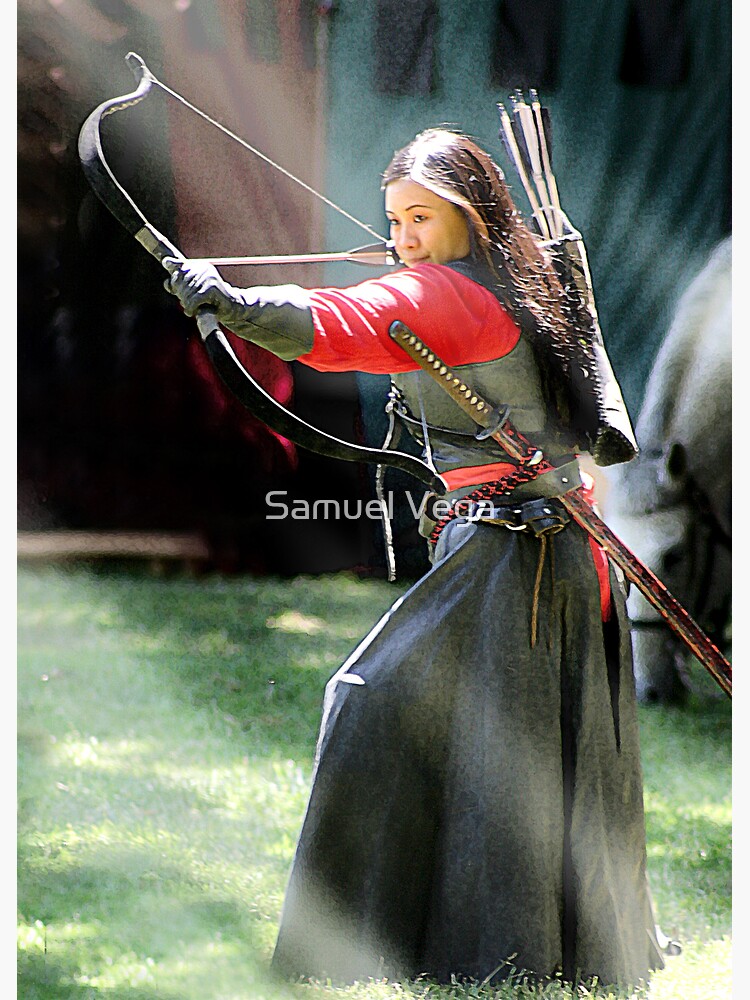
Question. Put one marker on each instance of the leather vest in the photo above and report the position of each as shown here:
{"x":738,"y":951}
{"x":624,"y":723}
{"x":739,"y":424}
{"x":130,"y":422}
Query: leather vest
{"x":513,"y":380}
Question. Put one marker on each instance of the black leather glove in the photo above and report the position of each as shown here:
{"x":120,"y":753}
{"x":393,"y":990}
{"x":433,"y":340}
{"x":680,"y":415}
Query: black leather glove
{"x":277,"y":317}
{"x":198,"y":284}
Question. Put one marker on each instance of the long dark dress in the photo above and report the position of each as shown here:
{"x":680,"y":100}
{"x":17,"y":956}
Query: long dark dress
{"x":476,"y":804}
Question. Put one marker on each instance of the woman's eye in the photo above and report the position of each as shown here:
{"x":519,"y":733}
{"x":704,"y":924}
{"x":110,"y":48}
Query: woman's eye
{"x":420,"y":218}
{"x":392,"y":223}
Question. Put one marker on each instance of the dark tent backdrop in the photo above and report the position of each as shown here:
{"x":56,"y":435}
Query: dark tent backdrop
{"x":120,"y":423}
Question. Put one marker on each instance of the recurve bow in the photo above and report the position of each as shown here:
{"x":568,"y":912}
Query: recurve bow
{"x":249,"y":392}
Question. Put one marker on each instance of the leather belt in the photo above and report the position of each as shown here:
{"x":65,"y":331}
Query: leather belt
{"x":543,"y":516}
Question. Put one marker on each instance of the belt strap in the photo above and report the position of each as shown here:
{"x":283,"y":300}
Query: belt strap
{"x":540,"y":517}
{"x":545,"y":516}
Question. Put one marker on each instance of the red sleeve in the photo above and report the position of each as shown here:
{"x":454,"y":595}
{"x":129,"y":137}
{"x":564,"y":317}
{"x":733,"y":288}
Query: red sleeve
{"x":459,"y":319}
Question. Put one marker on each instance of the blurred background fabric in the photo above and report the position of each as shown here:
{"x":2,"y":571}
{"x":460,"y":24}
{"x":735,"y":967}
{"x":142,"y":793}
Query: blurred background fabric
{"x":122,"y":422}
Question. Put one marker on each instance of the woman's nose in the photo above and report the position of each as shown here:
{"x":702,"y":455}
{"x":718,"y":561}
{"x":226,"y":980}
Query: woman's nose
{"x":407,"y":235}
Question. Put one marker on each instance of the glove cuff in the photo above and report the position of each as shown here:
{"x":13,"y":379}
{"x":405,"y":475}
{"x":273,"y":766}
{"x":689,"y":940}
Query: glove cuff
{"x":276,"y":317}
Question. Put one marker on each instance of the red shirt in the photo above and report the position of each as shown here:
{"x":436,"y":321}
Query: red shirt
{"x":459,"y":319}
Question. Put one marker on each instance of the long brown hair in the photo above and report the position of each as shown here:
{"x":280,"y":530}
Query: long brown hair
{"x":454,"y":167}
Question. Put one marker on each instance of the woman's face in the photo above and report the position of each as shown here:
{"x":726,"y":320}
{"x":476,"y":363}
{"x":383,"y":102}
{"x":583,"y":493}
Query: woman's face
{"x":425,"y":228}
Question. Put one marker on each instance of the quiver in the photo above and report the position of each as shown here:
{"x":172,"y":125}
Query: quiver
{"x":597,"y":412}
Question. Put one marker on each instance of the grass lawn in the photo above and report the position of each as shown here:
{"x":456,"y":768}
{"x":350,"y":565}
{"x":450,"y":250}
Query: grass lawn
{"x":166,"y":730}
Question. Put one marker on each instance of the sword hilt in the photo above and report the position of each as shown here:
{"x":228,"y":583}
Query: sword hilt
{"x":493,"y":420}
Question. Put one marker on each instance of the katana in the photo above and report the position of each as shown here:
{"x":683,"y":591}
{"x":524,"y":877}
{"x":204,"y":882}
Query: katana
{"x":494,"y":423}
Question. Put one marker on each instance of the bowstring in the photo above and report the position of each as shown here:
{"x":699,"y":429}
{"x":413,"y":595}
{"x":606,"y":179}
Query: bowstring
{"x":267,"y":159}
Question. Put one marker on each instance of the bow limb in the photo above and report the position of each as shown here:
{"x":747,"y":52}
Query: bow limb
{"x":100,"y":176}
{"x":250,"y":393}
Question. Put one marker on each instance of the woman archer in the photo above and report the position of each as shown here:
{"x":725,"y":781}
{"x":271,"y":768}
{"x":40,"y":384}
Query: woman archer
{"x":476,"y":805}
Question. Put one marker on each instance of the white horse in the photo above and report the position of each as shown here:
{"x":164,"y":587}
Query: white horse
{"x":672,"y":504}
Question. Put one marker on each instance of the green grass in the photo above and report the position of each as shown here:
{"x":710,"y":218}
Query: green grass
{"x":166,"y":729}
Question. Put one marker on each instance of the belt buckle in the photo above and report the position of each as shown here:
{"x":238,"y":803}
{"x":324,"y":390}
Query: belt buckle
{"x":505,"y":522}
